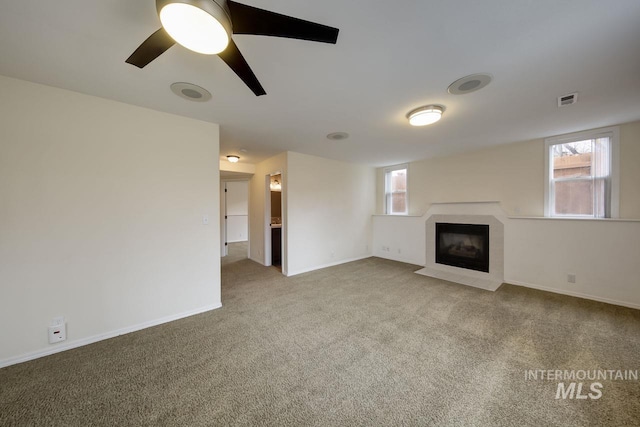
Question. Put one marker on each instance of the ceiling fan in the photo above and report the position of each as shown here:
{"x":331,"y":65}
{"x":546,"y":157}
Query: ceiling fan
{"x":206,"y":26}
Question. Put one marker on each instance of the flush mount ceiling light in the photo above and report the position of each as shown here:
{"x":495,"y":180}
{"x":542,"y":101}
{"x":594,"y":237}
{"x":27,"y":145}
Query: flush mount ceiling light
{"x":233,"y":159}
{"x":426,"y":115}
{"x":469,"y":84}
{"x":202,"y":26}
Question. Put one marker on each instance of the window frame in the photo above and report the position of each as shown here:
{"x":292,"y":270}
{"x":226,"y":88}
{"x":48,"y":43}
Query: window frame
{"x":613,"y":133}
{"x":386,"y":176}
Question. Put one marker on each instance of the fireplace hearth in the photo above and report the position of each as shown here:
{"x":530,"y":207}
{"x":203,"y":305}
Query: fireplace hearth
{"x":463,"y":245}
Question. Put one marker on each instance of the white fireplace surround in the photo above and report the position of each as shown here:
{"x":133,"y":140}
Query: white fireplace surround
{"x":485,"y":213}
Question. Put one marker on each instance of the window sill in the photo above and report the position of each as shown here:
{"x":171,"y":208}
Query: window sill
{"x":568,"y":218}
{"x":398,"y":215}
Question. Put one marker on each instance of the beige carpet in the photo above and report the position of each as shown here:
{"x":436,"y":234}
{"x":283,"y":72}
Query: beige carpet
{"x":366,"y":343}
{"x":235,"y":252}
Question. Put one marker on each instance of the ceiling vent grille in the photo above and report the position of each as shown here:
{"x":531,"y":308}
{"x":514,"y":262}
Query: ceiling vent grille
{"x":569,"y":99}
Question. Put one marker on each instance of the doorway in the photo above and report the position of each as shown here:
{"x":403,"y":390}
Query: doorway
{"x":235,"y":217}
{"x":274,"y":219}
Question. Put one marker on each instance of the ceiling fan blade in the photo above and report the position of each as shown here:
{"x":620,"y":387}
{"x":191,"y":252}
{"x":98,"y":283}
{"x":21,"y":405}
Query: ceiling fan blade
{"x":251,"y":20}
{"x":234,"y":59}
{"x":151,"y":48}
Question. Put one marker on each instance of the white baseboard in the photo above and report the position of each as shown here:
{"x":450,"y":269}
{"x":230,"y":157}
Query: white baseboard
{"x":333,"y":264}
{"x":574,"y":294}
{"x":392,"y":257}
{"x":90,"y":340}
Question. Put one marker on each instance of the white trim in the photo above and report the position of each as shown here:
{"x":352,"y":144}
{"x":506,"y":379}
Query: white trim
{"x":396,"y":167}
{"x":393,"y":257}
{"x":573,"y":294}
{"x":547,"y":181}
{"x":267,"y":221}
{"x":385,"y":171}
{"x":93,"y":339}
{"x":400,"y":216}
{"x":614,"y":134}
{"x":572,"y":218}
{"x":333,"y":264}
{"x":224,"y":248}
{"x":615,"y":172}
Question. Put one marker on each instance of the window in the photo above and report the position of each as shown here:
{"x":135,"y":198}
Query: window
{"x":395,"y":184}
{"x":581,"y":174}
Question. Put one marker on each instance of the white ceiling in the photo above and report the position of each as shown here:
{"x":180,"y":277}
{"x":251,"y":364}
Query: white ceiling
{"x":391,"y":57}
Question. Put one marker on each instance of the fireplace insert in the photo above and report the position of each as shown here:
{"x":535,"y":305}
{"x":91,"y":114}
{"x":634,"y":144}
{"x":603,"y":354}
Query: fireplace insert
{"x":463,"y":245}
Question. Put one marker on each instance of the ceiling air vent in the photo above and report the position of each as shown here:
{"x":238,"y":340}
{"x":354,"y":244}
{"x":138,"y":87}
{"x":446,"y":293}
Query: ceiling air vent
{"x":569,"y":99}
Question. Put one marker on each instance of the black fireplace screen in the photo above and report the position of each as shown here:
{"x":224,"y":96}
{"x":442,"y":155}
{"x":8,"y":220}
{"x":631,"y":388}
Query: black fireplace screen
{"x":463,"y":245}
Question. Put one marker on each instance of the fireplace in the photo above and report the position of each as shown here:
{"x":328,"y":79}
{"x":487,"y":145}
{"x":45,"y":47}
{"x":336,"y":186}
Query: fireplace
{"x":463,"y":217}
{"x":463,"y":245}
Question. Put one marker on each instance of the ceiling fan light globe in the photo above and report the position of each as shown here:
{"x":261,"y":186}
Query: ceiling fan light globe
{"x":194,"y":28}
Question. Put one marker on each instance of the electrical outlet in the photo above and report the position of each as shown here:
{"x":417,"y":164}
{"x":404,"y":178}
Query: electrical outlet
{"x":57,"y":333}
{"x":571,"y":278}
{"x":399,"y":250}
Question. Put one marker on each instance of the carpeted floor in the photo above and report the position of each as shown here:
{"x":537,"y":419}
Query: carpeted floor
{"x":365,"y":343}
{"x":236,"y":252}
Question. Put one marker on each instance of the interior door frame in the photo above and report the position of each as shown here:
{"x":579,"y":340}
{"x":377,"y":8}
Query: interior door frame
{"x":267,"y":222}
{"x":224,"y":247}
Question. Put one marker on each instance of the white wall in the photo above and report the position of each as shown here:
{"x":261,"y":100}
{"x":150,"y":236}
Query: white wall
{"x":629,"y":170}
{"x":603,"y":254}
{"x":329,"y":210}
{"x":101,"y":217}
{"x":512,"y":174}
{"x":400,"y":238}
{"x":237,"y":168}
{"x":539,"y":253}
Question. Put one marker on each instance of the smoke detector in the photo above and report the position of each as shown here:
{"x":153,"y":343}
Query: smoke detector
{"x":568,"y":99}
